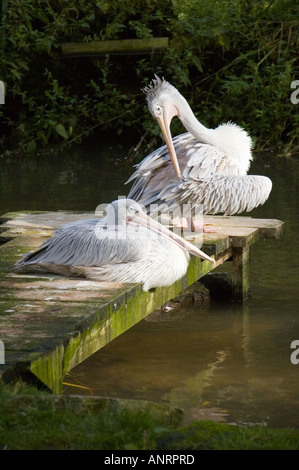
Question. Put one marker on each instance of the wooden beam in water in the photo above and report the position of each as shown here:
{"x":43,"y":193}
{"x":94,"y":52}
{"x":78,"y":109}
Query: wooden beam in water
{"x":240,"y":278}
{"x":122,"y":46}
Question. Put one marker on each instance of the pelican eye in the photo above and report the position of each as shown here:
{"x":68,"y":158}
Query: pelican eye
{"x":158,"y":110}
{"x":132,"y":213}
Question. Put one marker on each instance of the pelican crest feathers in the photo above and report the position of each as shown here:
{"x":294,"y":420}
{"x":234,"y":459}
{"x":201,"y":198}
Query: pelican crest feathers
{"x":156,"y":87}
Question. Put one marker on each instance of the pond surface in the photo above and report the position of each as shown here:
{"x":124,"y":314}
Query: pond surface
{"x":218,"y":361}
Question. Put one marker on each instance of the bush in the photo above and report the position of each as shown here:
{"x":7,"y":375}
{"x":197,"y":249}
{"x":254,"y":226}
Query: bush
{"x":233,"y":60}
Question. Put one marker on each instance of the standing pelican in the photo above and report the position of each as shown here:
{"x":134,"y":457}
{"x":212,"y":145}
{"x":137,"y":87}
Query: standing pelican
{"x":124,"y":246}
{"x":206,"y":167}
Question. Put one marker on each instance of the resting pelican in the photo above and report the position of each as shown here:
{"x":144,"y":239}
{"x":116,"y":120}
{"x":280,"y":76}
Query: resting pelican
{"x":124,"y":246}
{"x":214,"y":162}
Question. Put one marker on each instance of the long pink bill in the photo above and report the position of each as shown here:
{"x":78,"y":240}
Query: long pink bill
{"x":155,"y":226}
{"x":164,"y":123}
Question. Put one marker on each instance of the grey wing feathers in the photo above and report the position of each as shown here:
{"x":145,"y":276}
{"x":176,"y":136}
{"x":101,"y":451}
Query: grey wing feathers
{"x":209,"y":178}
{"x":226,"y":195}
{"x":152,"y":172}
{"x":235,"y":194}
{"x":158,"y":157}
{"x":196,"y":160}
{"x":203,"y":161}
{"x":87,"y":243}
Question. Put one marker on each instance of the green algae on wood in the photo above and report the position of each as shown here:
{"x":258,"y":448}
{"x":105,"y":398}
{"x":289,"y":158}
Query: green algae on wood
{"x":240,"y":277}
{"x":53,"y":323}
{"x":113,"y":318}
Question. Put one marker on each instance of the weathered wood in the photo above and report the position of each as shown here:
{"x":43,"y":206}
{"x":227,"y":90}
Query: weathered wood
{"x":268,"y":228}
{"x":240,"y":278}
{"x":54,"y":323}
{"x":49,"y":323}
{"x":128,"y":46}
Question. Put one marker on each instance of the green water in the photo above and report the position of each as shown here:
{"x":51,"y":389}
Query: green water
{"x":218,"y":361}
{"x":79,"y":178}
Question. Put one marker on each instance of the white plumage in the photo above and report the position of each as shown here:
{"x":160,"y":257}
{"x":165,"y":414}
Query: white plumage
{"x":202,"y":166}
{"x":124,"y":246}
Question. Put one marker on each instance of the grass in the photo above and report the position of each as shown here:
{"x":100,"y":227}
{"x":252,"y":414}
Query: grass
{"x":39,"y":421}
{"x":207,"y":435}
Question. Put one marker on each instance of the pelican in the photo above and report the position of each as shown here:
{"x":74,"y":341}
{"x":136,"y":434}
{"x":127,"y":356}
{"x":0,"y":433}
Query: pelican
{"x":203,"y":167}
{"x":126,"y":245}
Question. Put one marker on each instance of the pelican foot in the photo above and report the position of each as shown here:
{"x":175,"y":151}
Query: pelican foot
{"x":183,"y":223}
{"x":203,"y":228}
{"x":197,"y":226}
{"x":210,"y":228}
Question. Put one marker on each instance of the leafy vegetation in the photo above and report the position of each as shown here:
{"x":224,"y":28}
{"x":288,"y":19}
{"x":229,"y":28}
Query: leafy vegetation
{"x":233,"y":60}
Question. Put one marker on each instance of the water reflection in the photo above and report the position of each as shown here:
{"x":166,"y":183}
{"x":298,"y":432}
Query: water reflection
{"x":79,"y":178}
{"x":223,"y":362}
{"x":217,"y":362}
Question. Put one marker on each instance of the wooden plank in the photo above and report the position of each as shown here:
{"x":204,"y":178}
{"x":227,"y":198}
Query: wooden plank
{"x":19,"y":222}
{"x":268,"y":228}
{"x":226,"y":236}
{"x":50,"y":323}
{"x":237,"y":235}
{"x":82,"y":315}
{"x":99,"y":323}
{"x":39,"y":226}
{"x":128,"y":46}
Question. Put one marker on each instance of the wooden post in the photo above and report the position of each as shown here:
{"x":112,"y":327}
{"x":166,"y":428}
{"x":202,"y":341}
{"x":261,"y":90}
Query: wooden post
{"x":121,"y":46}
{"x":240,"y":278}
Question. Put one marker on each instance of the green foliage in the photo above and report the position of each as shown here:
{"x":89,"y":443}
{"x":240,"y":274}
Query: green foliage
{"x":233,"y":60}
{"x":240,"y":59}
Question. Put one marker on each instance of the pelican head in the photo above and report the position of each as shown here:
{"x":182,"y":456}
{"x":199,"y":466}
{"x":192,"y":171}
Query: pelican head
{"x":122,"y":212}
{"x":164,"y":103}
{"x":129,"y":212}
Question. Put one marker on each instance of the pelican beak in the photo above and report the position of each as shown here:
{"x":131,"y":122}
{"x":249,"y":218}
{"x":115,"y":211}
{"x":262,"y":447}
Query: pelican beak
{"x":156,"y":227}
{"x":164,"y":122}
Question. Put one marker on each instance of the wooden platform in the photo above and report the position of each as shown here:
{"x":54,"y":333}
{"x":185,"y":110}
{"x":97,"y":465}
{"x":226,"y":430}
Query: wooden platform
{"x":49,"y":324}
